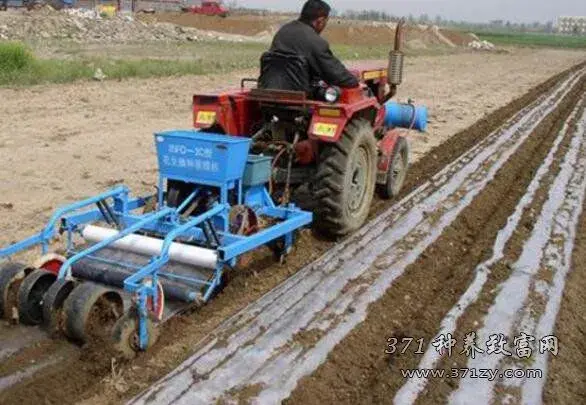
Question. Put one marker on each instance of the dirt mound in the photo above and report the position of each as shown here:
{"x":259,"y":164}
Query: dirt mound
{"x":458,"y":38}
{"x":88,"y":26}
{"x":238,"y":25}
{"x":81,"y":25}
{"x":341,"y":33}
{"x":345,"y":32}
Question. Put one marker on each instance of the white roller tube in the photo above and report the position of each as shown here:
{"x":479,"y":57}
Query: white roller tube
{"x":145,"y":245}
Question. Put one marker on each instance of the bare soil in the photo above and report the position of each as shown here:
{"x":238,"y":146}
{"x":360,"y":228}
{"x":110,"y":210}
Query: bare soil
{"x":241,"y":25}
{"x":358,"y":371}
{"x":67,"y":142}
{"x":566,"y":382}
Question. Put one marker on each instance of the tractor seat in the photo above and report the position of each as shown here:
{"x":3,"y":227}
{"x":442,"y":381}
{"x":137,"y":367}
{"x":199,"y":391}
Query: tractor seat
{"x":284,"y":71}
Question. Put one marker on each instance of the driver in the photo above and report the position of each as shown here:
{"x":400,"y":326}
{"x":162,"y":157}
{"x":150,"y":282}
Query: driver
{"x":302,"y":38}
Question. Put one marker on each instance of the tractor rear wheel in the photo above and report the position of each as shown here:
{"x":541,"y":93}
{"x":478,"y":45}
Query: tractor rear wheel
{"x":346,"y":180}
{"x":397,"y":172}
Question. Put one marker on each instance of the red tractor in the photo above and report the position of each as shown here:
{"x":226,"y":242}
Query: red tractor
{"x":330,"y":151}
{"x":211,"y":8}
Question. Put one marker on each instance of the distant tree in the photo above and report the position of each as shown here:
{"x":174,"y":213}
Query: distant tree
{"x":423,"y":19}
{"x":438,"y":20}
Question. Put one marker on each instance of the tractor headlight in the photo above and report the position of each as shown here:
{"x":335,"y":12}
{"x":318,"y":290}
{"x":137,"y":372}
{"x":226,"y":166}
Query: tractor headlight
{"x":332,"y":94}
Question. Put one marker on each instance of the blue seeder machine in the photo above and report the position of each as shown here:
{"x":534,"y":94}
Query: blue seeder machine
{"x":128,"y":264}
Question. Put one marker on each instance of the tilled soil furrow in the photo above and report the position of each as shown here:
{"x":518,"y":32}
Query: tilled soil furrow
{"x":357,"y":370}
{"x":330,"y":297}
{"x":566,"y":382}
{"x":548,"y":248}
{"x":409,"y":392}
{"x":471,"y":320}
{"x":93,"y":374}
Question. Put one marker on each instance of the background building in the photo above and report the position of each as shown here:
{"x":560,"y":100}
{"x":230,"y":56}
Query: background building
{"x":572,"y":25}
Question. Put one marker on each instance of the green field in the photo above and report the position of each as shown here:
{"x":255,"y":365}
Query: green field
{"x":25,"y":65}
{"x":534,"y":39}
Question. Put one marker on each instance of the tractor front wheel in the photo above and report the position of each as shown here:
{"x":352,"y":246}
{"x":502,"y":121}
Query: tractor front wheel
{"x":346,"y":180}
{"x":397,"y":172}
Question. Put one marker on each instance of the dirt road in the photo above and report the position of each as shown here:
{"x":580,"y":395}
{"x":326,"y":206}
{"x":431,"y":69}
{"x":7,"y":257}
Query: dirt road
{"x":67,"y":143}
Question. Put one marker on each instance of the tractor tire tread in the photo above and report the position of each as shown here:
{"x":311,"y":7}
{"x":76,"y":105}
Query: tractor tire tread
{"x":331,"y":175}
{"x":389,"y":190}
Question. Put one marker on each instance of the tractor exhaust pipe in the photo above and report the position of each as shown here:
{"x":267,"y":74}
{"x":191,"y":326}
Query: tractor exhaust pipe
{"x":396,"y":58}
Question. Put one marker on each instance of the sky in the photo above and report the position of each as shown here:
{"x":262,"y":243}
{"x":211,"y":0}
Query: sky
{"x":468,"y":10}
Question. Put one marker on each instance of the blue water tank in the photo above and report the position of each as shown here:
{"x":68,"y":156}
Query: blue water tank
{"x":405,"y":115}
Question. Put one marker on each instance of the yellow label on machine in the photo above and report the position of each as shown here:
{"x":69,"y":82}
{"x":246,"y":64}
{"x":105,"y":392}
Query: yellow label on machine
{"x":328,"y":130}
{"x":330,"y":112}
{"x":374,"y":74}
{"x":206,"y":117}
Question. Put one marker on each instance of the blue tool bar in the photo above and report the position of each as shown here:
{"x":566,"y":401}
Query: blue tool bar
{"x":44,"y":237}
{"x":74,"y":220}
{"x":133,"y":283}
{"x":162,"y":228}
{"x":215,"y":282}
{"x":66,"y":267}
{"x":294,"y":221}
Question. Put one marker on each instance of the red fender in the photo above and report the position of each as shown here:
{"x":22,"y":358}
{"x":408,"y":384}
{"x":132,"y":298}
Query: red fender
{"x":50,"y":262}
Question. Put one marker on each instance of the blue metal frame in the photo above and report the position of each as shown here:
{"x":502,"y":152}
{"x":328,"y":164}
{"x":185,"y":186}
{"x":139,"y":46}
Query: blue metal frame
{"x":168,"y":223}
{"x":44,"y":237}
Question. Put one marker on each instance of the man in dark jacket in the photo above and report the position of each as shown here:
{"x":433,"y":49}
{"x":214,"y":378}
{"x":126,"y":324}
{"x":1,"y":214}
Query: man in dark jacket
{"x":299,"y":55}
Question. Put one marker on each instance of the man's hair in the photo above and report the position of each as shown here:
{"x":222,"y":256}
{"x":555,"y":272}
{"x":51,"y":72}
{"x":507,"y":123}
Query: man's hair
{"x":314,"y":9}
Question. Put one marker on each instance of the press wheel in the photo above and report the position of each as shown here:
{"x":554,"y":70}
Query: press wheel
{"x":11,"y":276}
{"x":53,"y":302}
{"x":125,"y":335}
{"x":90,"y":311}
{"x":30,"y":296}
